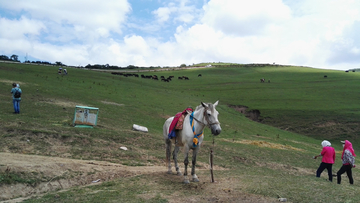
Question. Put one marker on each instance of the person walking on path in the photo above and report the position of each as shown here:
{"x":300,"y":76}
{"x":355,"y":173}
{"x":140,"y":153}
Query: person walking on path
{"x":348,"y":159}
{"x":16,"y":95}
{"x":328,"y":159}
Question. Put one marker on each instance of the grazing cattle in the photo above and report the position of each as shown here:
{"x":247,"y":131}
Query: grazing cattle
{"x":180,"y":78}
{"x":114,"y":73}
{"x":199,"y":75}
{"x":269,"y":81}
{"x":186,"y":78}
{"x":262,"y":80}
{"x":325,"y":76}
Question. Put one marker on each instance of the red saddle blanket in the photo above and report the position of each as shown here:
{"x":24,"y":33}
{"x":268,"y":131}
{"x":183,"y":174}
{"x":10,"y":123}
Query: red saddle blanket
{"x":177,"y":122}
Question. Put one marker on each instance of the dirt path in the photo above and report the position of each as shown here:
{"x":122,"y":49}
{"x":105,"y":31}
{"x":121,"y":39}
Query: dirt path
{"x":61,"y":173}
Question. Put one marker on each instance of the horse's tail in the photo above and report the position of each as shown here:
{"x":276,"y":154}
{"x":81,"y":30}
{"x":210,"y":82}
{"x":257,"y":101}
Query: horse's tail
{"x":168,"y":144}
{"x":166,"y":127}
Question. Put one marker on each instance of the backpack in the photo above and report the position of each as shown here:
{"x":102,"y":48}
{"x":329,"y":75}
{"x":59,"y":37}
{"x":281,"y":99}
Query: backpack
{"x":17,"y":93}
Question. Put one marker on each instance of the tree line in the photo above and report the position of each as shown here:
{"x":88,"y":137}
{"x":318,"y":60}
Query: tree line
{"x":14,"y":58}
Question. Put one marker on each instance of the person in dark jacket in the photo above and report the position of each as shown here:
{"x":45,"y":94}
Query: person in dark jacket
{"x":16,"y":95}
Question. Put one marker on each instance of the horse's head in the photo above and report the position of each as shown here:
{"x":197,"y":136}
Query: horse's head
{"x":211,"y":117}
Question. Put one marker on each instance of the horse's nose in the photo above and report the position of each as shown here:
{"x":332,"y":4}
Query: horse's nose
{"x":217,"y":131}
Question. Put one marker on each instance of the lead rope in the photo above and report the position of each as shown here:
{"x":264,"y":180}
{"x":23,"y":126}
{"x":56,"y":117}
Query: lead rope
{"x":211,"y":160}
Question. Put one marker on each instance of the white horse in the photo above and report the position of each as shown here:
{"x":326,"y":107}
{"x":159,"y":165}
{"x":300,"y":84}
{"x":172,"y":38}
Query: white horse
{"x":204,"y":115}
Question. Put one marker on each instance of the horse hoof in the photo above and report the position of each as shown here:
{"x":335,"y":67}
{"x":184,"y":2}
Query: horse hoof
{"x":179,"y":174}
{"x":186,"y":181}
{"x":195,"y":180}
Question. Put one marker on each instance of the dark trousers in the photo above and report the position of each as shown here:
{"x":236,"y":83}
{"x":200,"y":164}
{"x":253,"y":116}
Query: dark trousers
{"x":324,"y":166}
{"x":343,"y":169}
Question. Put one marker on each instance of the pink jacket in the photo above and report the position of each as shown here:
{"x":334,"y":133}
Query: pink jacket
{"x":328,"y":155}
{"x":348,"y":158}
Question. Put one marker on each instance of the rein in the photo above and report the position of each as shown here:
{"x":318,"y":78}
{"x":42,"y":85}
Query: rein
{"x":196,"y":136}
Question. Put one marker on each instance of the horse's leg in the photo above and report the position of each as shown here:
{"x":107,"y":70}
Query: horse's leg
{"x":186,"y":162}
{"x":168,"y":155}
{"x":194,"y":176}
{"x":176,"y":151}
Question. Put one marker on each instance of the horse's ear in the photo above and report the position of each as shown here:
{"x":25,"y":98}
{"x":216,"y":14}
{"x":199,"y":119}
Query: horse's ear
{"x":216,"y":103}
{"x":204,"y":105}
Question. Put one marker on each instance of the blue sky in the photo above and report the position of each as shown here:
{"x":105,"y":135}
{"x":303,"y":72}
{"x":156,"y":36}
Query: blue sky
{"x":315,"y":33}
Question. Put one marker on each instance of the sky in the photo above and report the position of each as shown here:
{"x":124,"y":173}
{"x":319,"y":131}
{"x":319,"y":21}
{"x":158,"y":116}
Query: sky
{"x":315,"y":33}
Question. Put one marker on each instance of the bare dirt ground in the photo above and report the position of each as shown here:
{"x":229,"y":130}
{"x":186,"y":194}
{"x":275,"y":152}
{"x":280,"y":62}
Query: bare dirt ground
{"x":63,"y":173}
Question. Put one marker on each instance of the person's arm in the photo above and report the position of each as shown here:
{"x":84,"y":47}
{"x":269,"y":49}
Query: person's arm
{"x":321,"y":153}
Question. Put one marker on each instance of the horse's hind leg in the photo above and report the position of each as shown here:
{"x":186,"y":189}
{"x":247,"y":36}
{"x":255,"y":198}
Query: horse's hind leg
{"x":194,"y":176}
{"x":168,"y":154}
{"x":176,"y":151}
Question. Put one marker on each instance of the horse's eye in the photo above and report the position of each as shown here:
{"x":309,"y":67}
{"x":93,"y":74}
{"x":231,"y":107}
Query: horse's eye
{"x":209,"y":114}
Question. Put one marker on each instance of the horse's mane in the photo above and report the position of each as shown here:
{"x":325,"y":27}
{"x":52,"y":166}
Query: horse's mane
{"x":201,"y":106}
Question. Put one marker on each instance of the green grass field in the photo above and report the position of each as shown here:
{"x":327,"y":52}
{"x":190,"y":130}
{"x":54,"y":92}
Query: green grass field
{"x":272,"y":158}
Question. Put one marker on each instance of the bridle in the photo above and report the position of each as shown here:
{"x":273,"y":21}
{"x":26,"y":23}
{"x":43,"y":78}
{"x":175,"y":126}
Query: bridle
{"x":209,"y":124}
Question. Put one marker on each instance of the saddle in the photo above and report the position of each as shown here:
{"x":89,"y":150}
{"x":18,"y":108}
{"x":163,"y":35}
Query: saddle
{"x":177,"y":122}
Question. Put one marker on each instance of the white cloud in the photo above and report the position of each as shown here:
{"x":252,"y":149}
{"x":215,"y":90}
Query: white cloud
{"x":244,"y":18}
{"x":181,"y":12}
{"x":162,"y":14}
{"x":109,"y":14}
{"x":15,"y":29}
{"x":317,"y":33}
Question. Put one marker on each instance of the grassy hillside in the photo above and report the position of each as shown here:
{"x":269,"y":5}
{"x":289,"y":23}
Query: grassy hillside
{"x":299,"y":108}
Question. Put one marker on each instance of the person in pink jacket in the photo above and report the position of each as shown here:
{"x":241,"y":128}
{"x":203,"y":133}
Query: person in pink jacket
{"x":348,"y":160}
{"x":328,"y":159}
